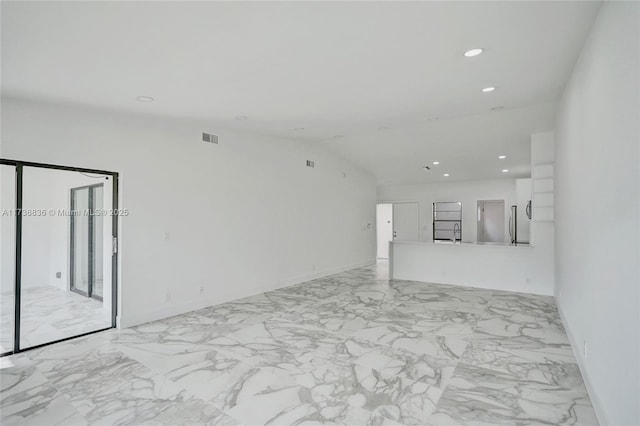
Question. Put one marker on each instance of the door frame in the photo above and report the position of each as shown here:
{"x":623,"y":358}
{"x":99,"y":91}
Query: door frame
{"x":19,"y":165}
{"x":378,"y":231}
{"x":407,"y":202}
{"x":481,"y":222}
{"x":90,"y":236}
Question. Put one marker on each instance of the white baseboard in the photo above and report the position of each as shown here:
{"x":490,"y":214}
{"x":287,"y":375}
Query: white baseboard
{"x":575,"y":347}
{"x":130,"y":320}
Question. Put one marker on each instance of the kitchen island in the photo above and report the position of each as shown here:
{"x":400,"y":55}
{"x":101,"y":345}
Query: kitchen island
{"x":521,"y":268}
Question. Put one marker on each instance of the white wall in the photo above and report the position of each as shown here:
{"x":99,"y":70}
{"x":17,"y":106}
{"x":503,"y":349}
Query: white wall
{"x":597,"y":208}
{"x":242,"y":217}
{"x":466,"y":192}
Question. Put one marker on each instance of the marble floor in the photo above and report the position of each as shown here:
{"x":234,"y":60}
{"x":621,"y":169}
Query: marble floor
{"x":352,"y":349}
{"x":49,"y":314}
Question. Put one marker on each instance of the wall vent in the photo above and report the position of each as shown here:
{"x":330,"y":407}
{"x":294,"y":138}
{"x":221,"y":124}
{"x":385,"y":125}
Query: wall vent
{"x":310,"y":163}
{"x":209,"y":137}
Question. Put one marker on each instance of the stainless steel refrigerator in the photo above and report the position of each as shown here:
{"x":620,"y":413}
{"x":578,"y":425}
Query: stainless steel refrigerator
{"x":513,"y":223}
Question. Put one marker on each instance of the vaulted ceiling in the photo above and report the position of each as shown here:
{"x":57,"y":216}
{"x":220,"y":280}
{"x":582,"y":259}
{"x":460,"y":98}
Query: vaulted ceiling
{"x":384,"y":84}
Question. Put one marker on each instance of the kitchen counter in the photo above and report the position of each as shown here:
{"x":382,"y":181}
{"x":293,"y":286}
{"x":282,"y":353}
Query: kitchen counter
{"x":507,"y":267}
{"x":463,"y":243}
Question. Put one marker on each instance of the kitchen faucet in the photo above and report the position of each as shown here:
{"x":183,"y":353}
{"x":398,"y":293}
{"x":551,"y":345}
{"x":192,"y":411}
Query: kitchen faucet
{"x":456,"y":229}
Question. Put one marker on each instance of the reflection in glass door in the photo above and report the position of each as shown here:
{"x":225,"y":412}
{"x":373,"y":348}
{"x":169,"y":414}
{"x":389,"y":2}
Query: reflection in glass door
{"x":98,"y":243}
{"x":58,"y":257}
{"x":62,"y":255}
{"x":7,"y":256}
{"x":87,"y":228}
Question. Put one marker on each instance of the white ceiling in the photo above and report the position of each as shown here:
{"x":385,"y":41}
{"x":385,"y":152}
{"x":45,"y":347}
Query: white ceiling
{"x":467,"y":148}
{"x":333,"y":68}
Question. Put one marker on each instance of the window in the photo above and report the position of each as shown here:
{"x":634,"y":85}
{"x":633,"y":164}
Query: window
{"x":447,"y":221}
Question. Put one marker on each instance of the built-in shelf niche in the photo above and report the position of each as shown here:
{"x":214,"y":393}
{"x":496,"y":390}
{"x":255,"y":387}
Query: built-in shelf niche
{"x":542,"y":200}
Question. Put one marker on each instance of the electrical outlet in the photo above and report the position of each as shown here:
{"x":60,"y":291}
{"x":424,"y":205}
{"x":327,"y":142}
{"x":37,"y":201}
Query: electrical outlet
{"x":201,"y":289}
{"x":58,"y":274}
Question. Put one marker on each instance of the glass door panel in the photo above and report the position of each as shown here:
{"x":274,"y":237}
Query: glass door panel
{"x":80,"y":241}
{"x":59,"y":295}
{"x":97,"y":229}
{"x":7,"y":256}
{"x":87,"y":241}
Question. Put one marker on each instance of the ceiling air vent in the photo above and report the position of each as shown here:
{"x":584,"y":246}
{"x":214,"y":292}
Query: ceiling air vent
{"x":310,"y":163}
{"x":209,"y":137}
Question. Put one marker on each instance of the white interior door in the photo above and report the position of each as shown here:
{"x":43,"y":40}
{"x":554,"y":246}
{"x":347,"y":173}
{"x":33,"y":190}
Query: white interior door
{"x":491,"y":226}
{"x":384,"y":229}
{"x":406,"y":221}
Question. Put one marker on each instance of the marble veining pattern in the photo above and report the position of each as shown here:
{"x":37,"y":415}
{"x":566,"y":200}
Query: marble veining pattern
{"x":48,"y":314}
{"x":352,"y":349}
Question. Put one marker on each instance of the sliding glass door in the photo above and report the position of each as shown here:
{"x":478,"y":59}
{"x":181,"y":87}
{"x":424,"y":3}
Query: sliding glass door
{"x":58,"y":253}
{"x":86,"y":238}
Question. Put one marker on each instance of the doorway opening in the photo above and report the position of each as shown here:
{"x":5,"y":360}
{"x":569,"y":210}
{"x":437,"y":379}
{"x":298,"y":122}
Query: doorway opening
{"x":491,"y":221}
{"x":384,"y":228}
{"x":396,"y":222}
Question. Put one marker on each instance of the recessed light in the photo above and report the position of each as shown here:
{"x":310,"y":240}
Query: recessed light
{"x":298,"y":129}
{"x":505,"y":170}
{"x":145,"y":99}
{"x":241,"y":117}
{"x":488,"y":89}
{"x":446,"y":175}
{"x":435,"y":163}
{"x":502,"y":157}
{"x":473,"y":52}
